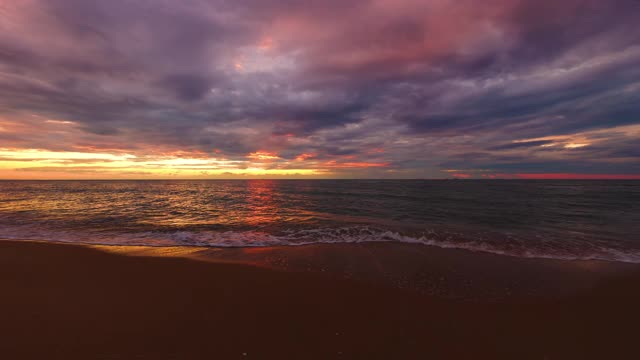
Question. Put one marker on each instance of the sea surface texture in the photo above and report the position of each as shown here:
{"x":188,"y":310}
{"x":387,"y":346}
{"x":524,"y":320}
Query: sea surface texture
{"x":550,"y":219}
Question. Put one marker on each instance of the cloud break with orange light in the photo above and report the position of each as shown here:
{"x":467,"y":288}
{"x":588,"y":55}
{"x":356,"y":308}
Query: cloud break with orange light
{"x":325,"y":89}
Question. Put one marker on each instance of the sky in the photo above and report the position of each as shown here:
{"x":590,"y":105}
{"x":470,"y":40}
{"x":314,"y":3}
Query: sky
{"x":319,"y":89}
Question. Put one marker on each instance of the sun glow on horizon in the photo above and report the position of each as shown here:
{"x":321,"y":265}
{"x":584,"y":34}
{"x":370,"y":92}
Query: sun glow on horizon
{"x":39,"y":163}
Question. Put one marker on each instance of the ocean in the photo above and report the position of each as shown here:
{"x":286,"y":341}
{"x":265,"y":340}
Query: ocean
{"x":561,"y":219}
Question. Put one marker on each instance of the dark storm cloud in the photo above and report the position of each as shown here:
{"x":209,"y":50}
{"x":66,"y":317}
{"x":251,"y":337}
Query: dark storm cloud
{"x":429,"y":84}
{"x":187,"y":87}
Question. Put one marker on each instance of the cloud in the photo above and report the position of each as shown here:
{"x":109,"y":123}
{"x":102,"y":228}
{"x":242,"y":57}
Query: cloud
{"x":437,"y":84}
{"x":523,"y":144}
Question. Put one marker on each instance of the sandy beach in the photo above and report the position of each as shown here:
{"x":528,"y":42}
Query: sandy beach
{"x":79,"y":302}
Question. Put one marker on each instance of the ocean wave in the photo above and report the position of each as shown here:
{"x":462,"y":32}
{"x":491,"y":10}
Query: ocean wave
{"x":338,"y":235}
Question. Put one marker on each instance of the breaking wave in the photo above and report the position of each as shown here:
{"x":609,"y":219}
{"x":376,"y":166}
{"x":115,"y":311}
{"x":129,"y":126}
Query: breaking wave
{"x":509,"y":246}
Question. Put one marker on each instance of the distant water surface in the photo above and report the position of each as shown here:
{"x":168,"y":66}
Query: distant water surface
{"x":530,"y":218}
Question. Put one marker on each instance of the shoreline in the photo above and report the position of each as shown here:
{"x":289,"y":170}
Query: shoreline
{"x":442,"y":272}
{"x":69,"y":301}
{"x":320,"y":243}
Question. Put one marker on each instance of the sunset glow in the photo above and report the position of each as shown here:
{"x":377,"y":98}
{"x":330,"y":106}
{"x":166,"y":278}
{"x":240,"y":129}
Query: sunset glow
{"x":209,"y":89}
{"x":27,"y":163}
{"x":319,"y":179}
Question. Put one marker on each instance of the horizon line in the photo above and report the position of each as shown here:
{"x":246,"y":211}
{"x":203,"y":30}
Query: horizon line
{"x":634,"y":177}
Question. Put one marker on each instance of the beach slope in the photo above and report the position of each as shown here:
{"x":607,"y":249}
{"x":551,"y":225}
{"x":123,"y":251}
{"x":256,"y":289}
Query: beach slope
{"x":74,"y":302}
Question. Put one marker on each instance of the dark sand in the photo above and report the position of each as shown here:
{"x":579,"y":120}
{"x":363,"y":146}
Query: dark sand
{"x":77,"y":302}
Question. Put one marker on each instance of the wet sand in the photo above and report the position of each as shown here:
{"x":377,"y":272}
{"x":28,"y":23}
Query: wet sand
{"x":377,"y":301}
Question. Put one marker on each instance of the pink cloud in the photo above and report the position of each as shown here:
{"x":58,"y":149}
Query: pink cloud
{"x":579,"y":176}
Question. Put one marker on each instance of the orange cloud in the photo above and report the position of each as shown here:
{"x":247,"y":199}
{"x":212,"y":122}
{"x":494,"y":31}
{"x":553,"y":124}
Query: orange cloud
{"x":93,"y":148}
{"x":361,"y":164}
{"x":304,"y":156}
{"x":263,"y":155}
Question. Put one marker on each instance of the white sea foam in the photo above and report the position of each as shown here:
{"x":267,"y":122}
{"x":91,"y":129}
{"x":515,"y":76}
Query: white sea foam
{"x":344,"y":235}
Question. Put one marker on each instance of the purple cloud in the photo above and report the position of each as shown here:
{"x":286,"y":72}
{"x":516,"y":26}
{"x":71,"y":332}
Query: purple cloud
{"x":435,"y":84}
